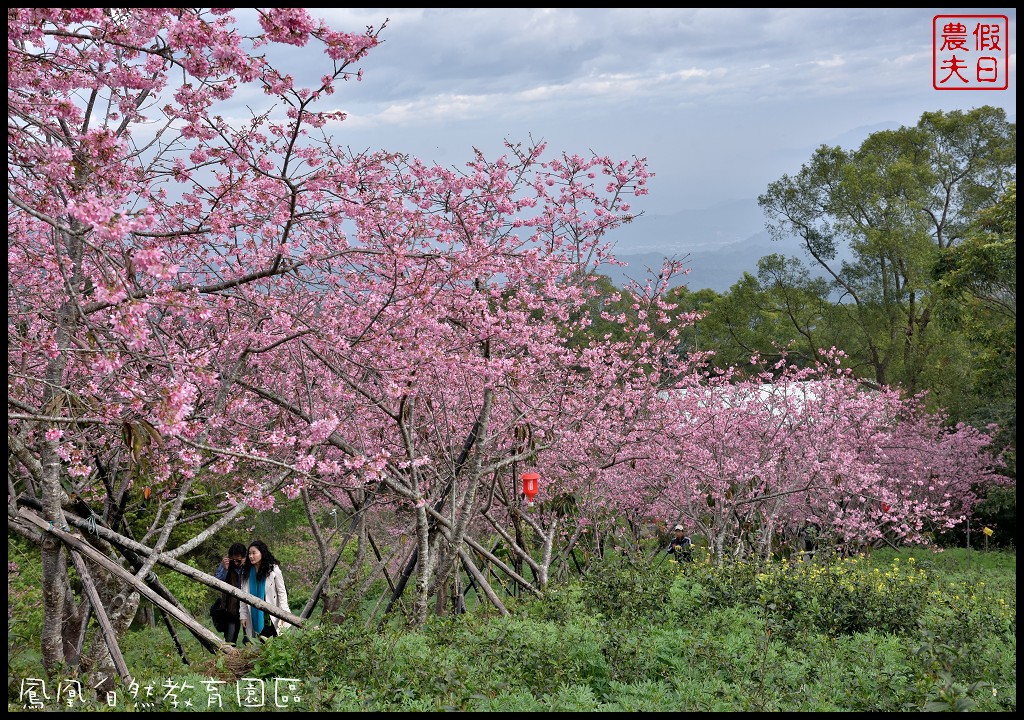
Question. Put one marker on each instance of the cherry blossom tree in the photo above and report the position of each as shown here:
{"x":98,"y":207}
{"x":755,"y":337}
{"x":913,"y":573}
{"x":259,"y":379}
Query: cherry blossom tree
{"x":440,"y":362}
{"x":205,"y":302}
{"x":145,"y":230}
{"x":747,"y":462}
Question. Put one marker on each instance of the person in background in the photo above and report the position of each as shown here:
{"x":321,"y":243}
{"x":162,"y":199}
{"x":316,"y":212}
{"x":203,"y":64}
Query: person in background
{"x":808,"y":535}
{"x":681,"y":547}
{"x":230,"y":571}
{"x":262,"y":577}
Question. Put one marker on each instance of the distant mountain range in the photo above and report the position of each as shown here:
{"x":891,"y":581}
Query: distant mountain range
{"x":717,"y":269}
{"x":717,"y":244}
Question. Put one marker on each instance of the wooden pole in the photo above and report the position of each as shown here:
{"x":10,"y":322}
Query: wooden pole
{"x":467,"y":562}
{"x":208,"y":639}
{"x":101,"y":617}
{"x":167,"y":561}
{"x":311,"y":603}
{"x":174,"y":637}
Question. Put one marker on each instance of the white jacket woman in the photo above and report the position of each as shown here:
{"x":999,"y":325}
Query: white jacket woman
{"x":271,"y":589}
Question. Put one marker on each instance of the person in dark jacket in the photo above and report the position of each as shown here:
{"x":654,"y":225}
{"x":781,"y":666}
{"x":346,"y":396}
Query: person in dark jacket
{"x":808,"y":535}
{"x":681,"y":547}
{"x":230,"y":571}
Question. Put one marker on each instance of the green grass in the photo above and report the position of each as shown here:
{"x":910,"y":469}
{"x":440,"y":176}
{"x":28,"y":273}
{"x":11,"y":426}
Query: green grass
{"x":894,"y":632}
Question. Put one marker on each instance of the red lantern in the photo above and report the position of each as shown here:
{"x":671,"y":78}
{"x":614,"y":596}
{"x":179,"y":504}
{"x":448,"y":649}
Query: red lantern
{"x":530,"y":485}
{"x":885,"y":507}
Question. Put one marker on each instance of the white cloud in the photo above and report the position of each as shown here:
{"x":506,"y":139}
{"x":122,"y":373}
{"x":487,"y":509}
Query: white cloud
{"x":835,"y":61}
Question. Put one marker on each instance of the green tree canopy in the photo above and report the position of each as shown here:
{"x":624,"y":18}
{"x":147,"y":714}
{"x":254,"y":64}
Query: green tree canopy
{"x":892,"y":206}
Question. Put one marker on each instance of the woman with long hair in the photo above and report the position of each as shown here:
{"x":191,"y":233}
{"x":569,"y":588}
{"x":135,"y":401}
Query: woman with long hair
{"x":262,"y":577}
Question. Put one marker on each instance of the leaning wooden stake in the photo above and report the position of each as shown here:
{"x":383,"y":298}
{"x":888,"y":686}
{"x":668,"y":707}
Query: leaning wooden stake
{"x":308,"y":610}
{"x":174,"y":637}
{"x":380,"y":559}
{"x":80,"y":640}
{"x":166,"y":560}
{"x":101,"y":617}
{"x":210,"y":641}
{"x":88,"y":523}
{"x":467,"y":562}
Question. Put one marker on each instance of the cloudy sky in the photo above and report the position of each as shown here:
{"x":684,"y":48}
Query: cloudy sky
{"x":721,"y":101}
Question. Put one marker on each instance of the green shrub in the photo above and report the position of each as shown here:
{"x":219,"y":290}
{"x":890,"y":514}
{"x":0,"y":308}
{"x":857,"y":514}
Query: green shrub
{"x":24,"y":614}
{"x":575,"y":697}
{"x":541,"y":656}
{"x":878,"y":634}
{"x":629,"y":589}
{"x":642,"y":696}
{"x":845,"y":596}
{"x":507,"y":701}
